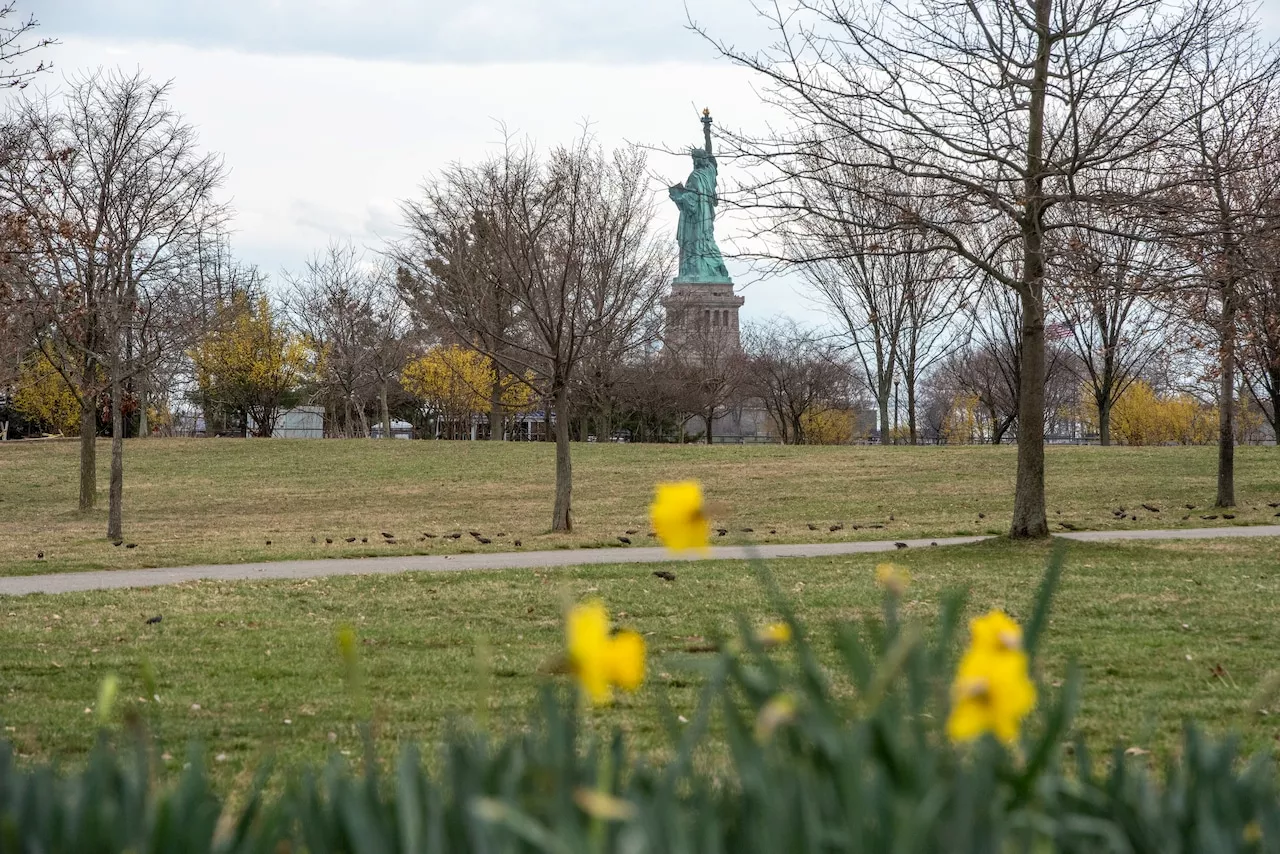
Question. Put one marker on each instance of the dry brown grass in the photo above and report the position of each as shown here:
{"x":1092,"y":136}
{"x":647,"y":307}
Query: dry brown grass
{"x":219,"y":501}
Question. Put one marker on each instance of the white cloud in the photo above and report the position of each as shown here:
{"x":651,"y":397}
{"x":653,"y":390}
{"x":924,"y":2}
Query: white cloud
{"x":322,"y":147}
{"x":470,"y":31}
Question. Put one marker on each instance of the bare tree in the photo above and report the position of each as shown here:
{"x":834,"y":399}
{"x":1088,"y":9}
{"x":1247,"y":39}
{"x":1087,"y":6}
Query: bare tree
{"x":350,"y":312}
{"x":571,"y":252}
{"x":1260,"y":362}
{"x":17,"y":44}
{"x":1106,"y":316}
{"x":795,"y":372}
{"x":708,"y":366}
{"x":1230,"y":156}
{"x":1004,"y":110}
{"x":112,"y":196}
{"x":893,"y":300}
{"x":219,"y":283}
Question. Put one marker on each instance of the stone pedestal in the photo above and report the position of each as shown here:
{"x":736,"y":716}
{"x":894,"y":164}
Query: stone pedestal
{"x":702,"y":309}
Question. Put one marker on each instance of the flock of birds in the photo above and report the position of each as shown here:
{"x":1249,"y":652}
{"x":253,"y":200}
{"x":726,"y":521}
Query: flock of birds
{"x":1120,"y":513}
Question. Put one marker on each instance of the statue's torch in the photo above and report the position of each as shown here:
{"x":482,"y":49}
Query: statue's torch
{"x":706,"y":127}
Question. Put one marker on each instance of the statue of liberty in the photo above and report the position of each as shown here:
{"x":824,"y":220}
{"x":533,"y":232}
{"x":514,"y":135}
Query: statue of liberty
{"x":700,"y":259}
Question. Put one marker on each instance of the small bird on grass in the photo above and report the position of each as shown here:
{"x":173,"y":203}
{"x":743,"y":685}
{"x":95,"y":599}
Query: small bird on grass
{"x":665,"y":576}
{"x":454,"y":536}
{"x":835,"y":528}
{"x":364,"y":539}
{"x":313,"y":541}
{"x":387,"y":536}
{"x":812,"y":527}
{"x":391,"y":542}
{"x":720,"y":532}
{"x":130,"y":545}
{"x":427,"y":535}
{"x":39,"y":555}
{"x":151,"y":621}
{"x":933,"y":543}
{"x":516,"y":543}
{"x":1228,"y":515}
{"x":748,"y":530}
{"x":349,"y":540}
{"x":1186,"y":517}
{"x":475,"y":533}
{"x":329,"y":540}
{"x":899,"y":545}
{"x":982,"y":515}
{"x":633,"y":531}
{"x":1189,"y":506}
{"x":484,"y":541}
{"x":773,"y":530}
{"x":626,"y":541}
{"x":1151,"y":507}
{"x":1273,"y":503}
{"x":118,"y":542}
{"x":268,"y":542}
{"x":1068,"y":526}
{"x":1208,"y":517}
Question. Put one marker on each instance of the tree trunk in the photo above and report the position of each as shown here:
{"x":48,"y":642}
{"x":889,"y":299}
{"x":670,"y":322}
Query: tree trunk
{"x":115,"y":510}
{"x":1104,"y":423}
{"x":1273,"y":374}
{"x":560,"y":519}
{"x":882,"y":398}
{"x":711,"y":413}
{"x":386,"y":413}
{"x":1028,"y":498}
{"x":143,"y":428}
{"x":911,"y":409}
{"x":495,"y":409}
{"x":88,"y":451}
{"x":1226,"y":401}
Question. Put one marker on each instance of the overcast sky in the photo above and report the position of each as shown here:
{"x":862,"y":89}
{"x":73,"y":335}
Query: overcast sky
{"x":329,"y":111}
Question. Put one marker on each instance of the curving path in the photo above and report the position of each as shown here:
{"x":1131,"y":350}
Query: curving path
{"x":68,"y":582}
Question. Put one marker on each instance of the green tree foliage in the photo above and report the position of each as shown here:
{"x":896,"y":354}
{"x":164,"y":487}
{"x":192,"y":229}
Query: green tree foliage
{"x":252,"y":365}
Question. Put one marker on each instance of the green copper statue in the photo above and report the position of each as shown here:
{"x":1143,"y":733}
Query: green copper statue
{"x":700,"y":259}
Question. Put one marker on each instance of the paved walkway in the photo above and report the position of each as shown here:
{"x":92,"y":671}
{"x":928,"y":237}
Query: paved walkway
{"x":68,"y":582}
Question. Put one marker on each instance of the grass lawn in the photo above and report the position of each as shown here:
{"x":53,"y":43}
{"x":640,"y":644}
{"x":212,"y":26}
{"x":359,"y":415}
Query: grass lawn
{"x":1163,"y":631}
{"x":220,"y":501}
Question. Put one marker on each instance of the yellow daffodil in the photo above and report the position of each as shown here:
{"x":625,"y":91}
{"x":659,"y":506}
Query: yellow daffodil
{"x":779,"y":711}
{"x":992,"y":691}
{"x":995,"y":631}
{"x":678,"y":516}
{"x":774,"y":634}
{"x":893,"y":578}
{"x":626,"y":660}
{"x":601,"y":661}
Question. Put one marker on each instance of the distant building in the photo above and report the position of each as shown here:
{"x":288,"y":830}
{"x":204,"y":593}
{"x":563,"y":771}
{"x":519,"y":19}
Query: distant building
{"x":301,"y":422}
{"x":399,"y":430}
